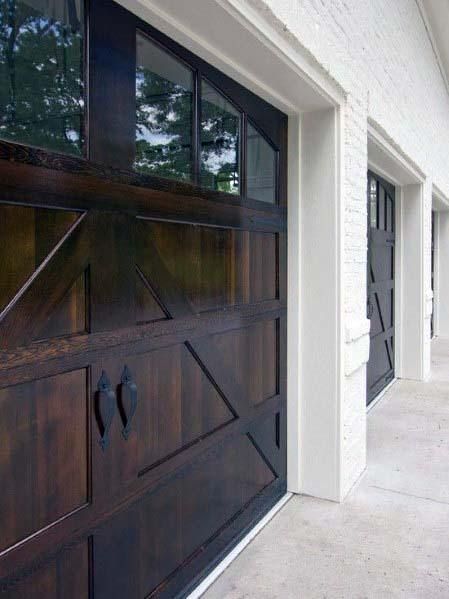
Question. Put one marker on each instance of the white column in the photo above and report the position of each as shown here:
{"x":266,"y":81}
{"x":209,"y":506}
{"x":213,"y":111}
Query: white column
{"x":413,"y":324}
{"x":443,"y":277}
{"x":320,"y":376}
{"x":436,"y":277}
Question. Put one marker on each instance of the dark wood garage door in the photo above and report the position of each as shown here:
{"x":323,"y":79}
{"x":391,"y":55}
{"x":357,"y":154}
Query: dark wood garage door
{"x":142,"y":309}
{"x":381,"y":231}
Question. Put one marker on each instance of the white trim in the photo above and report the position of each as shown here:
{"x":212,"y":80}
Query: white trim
{"x":436,"y":276}
{"x":321,"y":360}
{"x":398,"y":286}
{"x":296,"y":60}
{"x":378,"y":170}
{"x":433,"y":43}
{"x":294,"y":306}
{"x":412,"y":316}
{"x":400,"y":165}
{"x":440,"y":200}
{"x":232,"y":555}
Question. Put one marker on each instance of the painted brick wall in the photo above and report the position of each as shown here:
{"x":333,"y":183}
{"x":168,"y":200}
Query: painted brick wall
{"x":380,"y":53}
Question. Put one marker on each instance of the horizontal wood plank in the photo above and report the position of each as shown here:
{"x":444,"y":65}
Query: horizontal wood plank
{"x":31,"y":176}
{"x":54,"y":355}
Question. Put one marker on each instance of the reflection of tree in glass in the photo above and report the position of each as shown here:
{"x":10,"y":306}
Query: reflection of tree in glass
{"x":163,"y":126}
{"x":219,"y":143}
{"x":41,"y":85}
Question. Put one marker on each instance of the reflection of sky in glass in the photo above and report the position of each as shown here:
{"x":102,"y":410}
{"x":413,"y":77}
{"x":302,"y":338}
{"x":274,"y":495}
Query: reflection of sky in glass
{"x":214,"y":161}
{"x":163,"y":112}
{"x":220,"y":130}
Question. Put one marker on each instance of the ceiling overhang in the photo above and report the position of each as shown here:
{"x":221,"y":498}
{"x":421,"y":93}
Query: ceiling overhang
{"x":436,"y":18}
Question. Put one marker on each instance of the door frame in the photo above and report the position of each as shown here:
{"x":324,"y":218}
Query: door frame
{"x":440,"y":207}
{"x":412,"y":317}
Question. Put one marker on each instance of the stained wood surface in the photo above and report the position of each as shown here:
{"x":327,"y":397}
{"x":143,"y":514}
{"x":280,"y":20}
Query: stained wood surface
{"x":148,"y":312}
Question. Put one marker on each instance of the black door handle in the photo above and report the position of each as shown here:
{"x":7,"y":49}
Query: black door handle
{"x":370,"y":310}
{"x":105,"y":408}
{"x":127,"y":401}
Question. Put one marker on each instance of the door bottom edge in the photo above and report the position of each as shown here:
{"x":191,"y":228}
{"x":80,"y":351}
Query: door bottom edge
{"x":207,"y":582}
{"x":381,"y":394}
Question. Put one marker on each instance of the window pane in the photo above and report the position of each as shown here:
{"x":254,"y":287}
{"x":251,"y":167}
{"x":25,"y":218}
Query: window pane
{"x":373,"y":203}
{"x":389,"y":214}
{"x":261,"y":168}
{"x":220,"y":135}
{"x":163,"y":113}
{"x":41,"y":73}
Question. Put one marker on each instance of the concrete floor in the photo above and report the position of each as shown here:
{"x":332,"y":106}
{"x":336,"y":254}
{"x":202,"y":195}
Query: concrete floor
{"x":391,"y":536}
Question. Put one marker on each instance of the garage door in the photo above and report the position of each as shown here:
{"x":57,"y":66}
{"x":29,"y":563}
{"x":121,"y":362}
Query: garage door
{"x":142,"y":311}
{"x":381,"y":227}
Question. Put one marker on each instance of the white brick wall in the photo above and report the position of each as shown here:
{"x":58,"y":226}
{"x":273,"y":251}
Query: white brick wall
{"x":380,"y":54}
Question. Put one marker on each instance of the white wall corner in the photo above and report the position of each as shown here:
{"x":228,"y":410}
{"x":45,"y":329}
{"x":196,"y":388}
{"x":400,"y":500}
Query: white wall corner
{"x":357,"y":328}
{"x":356,"y":354}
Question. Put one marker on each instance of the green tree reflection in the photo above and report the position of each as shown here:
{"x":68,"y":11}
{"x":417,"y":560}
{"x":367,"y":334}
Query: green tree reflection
{"x":41,"y":74}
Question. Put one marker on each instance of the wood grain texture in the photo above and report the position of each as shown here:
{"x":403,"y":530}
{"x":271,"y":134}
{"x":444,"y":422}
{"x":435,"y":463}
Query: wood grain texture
{"x":26,"y":316}
{"x":211,"y":267}
{"x":226,"y":478}
{"x":184,"y":289}
{"x":43,"y":459}
{"x":65,"y":577}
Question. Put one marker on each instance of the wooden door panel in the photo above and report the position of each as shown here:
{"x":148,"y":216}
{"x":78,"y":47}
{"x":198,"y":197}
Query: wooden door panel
{"x":70,"y":315}
{"x":178,"y":404}
{"x":381,"y":361}
{"x":64,"y":577}
{"x":267,"y":434}
{"x":49,"y":276}
{"x":244,"y":362}
{"x":29,"y":235}
{"x":148,"y":308}
{"x":112,"y":270}
{"x":44,"y":456}
{"x":383,"y":263}
{"x":211,"y":267}
{"x":169,"y":526}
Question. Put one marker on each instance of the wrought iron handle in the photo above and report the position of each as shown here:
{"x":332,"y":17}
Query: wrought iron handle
{"x":105,"y":408}
{"x":128,"y":401}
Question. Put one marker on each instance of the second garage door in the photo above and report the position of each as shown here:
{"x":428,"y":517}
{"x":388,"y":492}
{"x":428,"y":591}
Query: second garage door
{"x":381,"y":232}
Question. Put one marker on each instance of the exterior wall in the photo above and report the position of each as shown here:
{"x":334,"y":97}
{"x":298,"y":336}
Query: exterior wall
{"x":379,"y":52}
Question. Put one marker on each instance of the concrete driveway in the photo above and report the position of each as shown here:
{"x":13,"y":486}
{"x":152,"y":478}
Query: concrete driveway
{"x":391,"y":536}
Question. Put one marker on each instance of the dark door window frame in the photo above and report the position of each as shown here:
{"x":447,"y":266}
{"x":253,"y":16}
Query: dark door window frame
{"x":111,"y":32}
